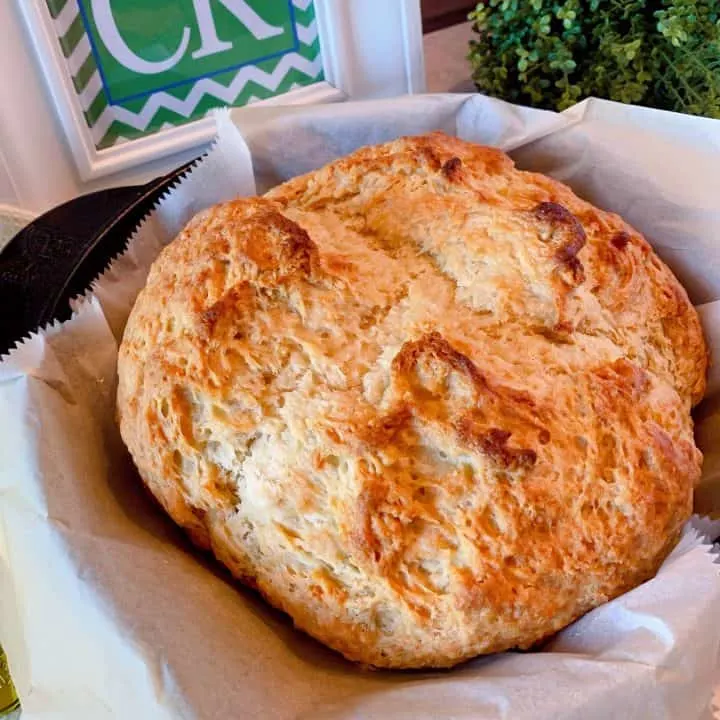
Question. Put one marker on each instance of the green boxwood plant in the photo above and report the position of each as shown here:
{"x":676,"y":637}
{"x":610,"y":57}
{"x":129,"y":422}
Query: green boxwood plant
{"x":550,"y":54}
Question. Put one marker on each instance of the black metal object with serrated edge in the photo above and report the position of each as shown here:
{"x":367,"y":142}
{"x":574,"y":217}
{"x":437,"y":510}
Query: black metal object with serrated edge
{"x":58,"y":255}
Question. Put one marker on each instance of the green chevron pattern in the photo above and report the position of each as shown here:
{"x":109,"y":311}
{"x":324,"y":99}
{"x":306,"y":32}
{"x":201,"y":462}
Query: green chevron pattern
{"x":126,"y":120}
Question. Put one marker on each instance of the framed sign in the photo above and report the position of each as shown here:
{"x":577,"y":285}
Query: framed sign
{"x":133,"y":81}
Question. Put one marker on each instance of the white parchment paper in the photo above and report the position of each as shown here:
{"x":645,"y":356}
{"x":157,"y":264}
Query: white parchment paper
{"x":107,"y":612}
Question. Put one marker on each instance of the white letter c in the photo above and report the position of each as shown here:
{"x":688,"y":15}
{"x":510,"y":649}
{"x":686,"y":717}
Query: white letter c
{"x":110,"y":35}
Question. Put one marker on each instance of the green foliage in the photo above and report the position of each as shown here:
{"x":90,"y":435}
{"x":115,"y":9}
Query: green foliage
{"x":553,"y":53}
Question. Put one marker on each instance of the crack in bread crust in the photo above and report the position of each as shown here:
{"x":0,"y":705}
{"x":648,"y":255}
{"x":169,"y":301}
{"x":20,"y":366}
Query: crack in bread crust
{"x":429,"y":405}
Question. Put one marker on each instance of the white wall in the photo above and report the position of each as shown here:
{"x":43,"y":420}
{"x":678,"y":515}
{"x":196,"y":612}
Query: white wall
{"x":28,"y":134}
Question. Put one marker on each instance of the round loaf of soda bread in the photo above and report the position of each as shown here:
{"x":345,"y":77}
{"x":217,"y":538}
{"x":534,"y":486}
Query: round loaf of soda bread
{"x":428,"y":405}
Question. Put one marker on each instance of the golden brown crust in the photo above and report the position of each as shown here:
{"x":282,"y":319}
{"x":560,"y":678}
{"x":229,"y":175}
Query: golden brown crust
{"x":427,"y":404}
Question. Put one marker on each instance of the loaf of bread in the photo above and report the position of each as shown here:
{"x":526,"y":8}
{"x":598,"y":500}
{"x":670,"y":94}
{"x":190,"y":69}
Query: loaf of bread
{"x":428,"y":405}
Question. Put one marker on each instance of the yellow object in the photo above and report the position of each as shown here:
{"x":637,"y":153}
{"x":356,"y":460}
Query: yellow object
{"x":8,"y":697}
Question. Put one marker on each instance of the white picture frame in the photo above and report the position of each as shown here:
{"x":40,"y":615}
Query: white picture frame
{"x":369,"y":48}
